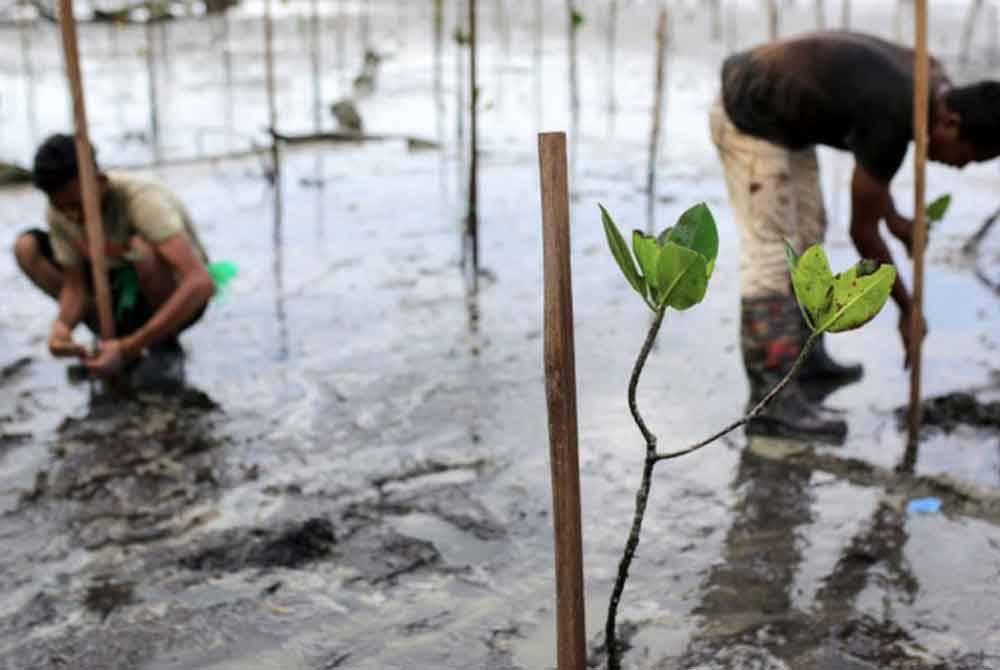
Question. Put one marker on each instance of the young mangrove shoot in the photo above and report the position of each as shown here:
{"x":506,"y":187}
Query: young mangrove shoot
{"x":672,"y":270}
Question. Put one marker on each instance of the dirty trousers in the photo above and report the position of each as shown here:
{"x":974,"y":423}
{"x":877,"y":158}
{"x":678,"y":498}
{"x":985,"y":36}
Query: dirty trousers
{"x":775,"y":195}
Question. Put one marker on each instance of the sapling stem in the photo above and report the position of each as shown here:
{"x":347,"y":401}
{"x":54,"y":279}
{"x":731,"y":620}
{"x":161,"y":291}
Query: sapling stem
{"x":652,"y":458}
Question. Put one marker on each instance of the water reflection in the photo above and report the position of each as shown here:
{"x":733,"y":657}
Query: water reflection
{"x":154,"y":92}
{"x":277,"y":263}
{"x":750,"y":595}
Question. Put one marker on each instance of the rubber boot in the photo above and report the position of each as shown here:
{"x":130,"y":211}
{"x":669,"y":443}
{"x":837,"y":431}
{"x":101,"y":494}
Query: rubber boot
{"x":820,"y":367}
{"x":770,"y":340}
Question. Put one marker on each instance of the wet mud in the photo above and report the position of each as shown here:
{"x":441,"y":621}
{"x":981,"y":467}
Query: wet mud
{"x":356,"y":474}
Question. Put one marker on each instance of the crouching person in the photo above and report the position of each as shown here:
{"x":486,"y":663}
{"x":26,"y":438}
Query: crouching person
{"x":160,"y":285}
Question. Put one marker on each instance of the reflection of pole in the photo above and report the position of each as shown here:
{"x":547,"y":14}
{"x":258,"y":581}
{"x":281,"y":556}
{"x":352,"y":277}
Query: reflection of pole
{"x":920,"y":112}
{"x":88,"y":176}
{"x":279,"y":276}
{"x":716,"y":20}
{"x":654,"y":135}
{"x":154,"y":91}
{"x":366,"y":25}
{"x":439,"y":108}
{"x":316,"y":61}
{"x":472,"y":218}
{"x":820,"y":15}
{"x":845,"y":14}
{"x":560,"y":391}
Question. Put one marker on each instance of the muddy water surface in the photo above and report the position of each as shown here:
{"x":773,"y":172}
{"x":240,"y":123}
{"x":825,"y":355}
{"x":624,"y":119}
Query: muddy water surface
{"x":357,"y":474}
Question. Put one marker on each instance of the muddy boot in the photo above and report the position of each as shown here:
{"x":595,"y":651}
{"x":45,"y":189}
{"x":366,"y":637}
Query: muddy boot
{"x":820,"y":367}
{"x":770,"y":342}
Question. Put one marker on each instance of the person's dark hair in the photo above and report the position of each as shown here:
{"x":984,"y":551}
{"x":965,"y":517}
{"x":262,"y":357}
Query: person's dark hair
{"x":55,"y":163}
{"x":978,"y":105}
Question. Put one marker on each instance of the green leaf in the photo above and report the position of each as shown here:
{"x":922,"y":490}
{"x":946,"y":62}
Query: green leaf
{"x":812,"y":281}
{"x":621,"y":253}
{"x":843,"y":302}
{"x":857,"y":298}
{"x":937,"y":209}
{"x":577,"y":18}
{"x":647,"y":252}
{"x":682,"y":276}
{"x":696,"y":230}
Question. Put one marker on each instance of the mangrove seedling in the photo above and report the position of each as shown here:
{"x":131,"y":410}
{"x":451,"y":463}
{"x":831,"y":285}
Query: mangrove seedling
{"x":672,"y":270}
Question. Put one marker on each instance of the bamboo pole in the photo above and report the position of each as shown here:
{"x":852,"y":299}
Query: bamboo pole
{"x":472,"y":217}
{"x":560,"y":387}
{"x":920,"y":120}
{"x":87,"y":173}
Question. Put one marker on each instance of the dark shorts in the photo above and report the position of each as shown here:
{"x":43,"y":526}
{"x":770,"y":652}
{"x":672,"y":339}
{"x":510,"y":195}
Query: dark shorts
{"x":128,"y":317}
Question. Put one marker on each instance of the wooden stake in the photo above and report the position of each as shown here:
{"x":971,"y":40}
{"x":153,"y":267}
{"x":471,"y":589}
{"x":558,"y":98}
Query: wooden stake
{"x":472,"y":218}
{"x":921,"y":102}
{"x":560,"y":388}
{"x":272,"y":107}
{"x":87,"y":176}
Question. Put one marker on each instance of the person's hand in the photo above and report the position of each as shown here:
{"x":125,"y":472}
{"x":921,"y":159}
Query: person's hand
{"x":909,"y":345}
{"x":61,"y":343}
{"x":108,"y":360}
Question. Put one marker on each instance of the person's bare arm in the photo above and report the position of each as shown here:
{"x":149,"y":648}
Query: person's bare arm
{"x":72,"y":307}
{"x":194,"y":288}
{"x":870,"y":203}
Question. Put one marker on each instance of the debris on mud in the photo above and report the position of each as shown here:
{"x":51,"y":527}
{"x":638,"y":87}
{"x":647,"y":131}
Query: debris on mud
{"x":105,"y":597}
{"x":301,"y":544}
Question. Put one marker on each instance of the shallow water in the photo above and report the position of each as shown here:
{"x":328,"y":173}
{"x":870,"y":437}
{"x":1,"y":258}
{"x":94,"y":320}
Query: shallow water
{"x":356,"y":383}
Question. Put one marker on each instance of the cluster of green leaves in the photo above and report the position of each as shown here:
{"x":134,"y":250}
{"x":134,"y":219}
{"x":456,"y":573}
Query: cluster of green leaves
{"x":577,"y":18}
{"x":845,"y":301}
{"x":674,"y":267}
{"x":937,"y":210}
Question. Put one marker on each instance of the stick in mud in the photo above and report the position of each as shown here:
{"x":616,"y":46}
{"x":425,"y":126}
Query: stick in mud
{"x":316,"y":62}
{"x":272,"y":109}
{"x":773,"y":19}
{"x":154,"y":91}
{"x":460,"y":35}
{"x":920,"y":113}
{"x":472,"y":216}
{"x":560,"y":387}
{"x":654,"y":134}
{"x":88,"y":176}
{"x":612,"y":49}
{"x":25,"y":27}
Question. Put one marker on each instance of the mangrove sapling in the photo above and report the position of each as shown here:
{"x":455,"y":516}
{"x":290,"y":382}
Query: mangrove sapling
{"x":673,"y":270}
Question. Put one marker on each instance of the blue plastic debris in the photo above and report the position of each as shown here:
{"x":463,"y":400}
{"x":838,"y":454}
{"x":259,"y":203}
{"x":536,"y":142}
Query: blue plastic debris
{"x":924,"y":506}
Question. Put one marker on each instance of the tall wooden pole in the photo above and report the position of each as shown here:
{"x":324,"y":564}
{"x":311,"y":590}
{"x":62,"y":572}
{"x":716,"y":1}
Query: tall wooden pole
{"x":560,"y":391}
{"x":88,"y":173}
{"x":921,"y":103}
{"x":472,"y":217}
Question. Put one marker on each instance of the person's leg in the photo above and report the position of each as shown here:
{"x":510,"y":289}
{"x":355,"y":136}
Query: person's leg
{"x":762,"y":193}
{"x":812,"y":225}
{"x":34,"y":256}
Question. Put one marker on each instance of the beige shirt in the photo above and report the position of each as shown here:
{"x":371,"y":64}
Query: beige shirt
{"x":132,"y":206}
